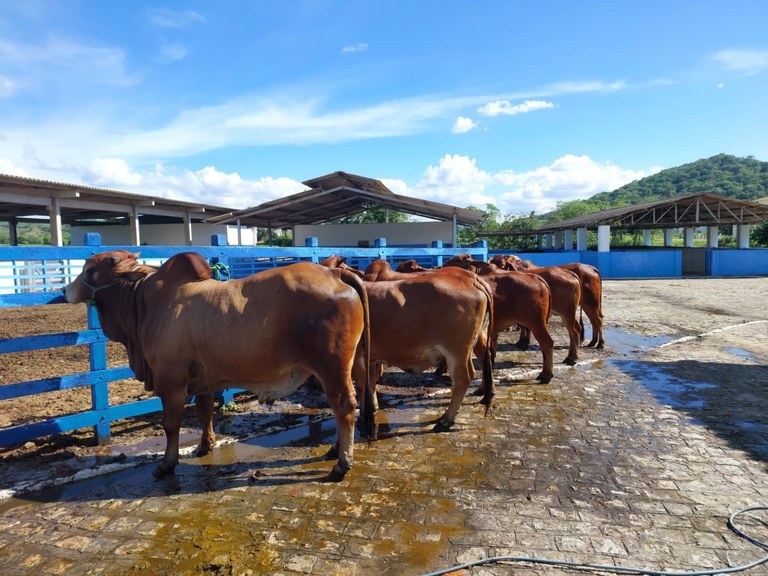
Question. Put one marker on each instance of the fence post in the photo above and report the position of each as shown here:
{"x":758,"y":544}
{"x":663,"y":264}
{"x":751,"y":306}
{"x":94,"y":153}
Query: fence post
{"x":312,"y":242}
{"x":484,"y":245}
{"x":381,"y":243}
{"x":437,"y":259}
{"x":97,"y":357}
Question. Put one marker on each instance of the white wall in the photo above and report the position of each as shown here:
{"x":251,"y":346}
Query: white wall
{"x":395,"y":233}
{"x":164,"y":234}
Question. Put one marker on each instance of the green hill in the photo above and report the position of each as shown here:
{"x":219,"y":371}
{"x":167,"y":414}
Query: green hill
{"x":742,"y":178}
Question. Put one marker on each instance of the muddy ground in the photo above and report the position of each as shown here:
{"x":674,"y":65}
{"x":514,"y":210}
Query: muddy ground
{"x":663,"y":308}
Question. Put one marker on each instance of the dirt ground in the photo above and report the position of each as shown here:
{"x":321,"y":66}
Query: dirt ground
{"x":659,"y":308}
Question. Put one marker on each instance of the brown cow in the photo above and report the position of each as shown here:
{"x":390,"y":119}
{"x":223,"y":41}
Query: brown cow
{"x":422,"y":319}
{"x":187,"y":334}
{"x":517,"y":300}
{"x":410,"y":266}
{"x":524,"y":300}
{"x":591,"y":299}
{"x":340,"y":262}
{"x":468,"y":263}
{"x":591,"y":290}
{"x":565,"y":288}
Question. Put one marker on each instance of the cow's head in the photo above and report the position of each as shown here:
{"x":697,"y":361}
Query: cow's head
{"x":410,"y":266}
{"x":506,"y":262}
{"x":103,"y":271}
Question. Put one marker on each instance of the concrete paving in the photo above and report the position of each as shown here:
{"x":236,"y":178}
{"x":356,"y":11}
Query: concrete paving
{"x":635,"y":457}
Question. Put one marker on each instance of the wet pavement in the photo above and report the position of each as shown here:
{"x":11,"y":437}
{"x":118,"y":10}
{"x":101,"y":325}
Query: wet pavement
{"x":634,"y":457}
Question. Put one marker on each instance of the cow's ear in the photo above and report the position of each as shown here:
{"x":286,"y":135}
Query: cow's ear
{"x":130,"y":269}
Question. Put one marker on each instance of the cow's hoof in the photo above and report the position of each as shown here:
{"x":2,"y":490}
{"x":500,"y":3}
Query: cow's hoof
{"x":441,"y":427}
{"x":333,"y":452}
{"x":601,"y":346}
{"x":202,"y":450}
{"x":162,"y":470}
{"x":544,"y":378}
{"x":337,"y":473}
{"x":570,"y":361}
{"x":479,"y":392}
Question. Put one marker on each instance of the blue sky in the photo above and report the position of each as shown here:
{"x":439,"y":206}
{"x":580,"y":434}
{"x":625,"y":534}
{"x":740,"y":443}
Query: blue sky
{"x":521,"y":104}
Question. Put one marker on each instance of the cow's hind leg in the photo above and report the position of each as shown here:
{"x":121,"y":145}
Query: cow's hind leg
{"x":460,"y":379}
{"x":342,"y":401}
{"x":574,"y":338}
{"x":173,"y":401}
{"x":204,"y":407}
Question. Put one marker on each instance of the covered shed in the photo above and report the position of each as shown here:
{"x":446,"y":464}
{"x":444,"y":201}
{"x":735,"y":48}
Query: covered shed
{"x":330,"y":197}
{"x":339,"y":194}
{"x":40,"y":201}
{"x":686,"y":213}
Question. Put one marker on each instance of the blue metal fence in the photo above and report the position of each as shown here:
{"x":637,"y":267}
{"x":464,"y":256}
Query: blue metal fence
{"x":35,"y":276}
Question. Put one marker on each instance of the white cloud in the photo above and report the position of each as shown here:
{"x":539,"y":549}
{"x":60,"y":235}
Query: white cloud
{"x":173,"y":19}
{"x":172,"y":53}
{"x":63,"y":63}
{"x":8,"y":86}
{"x":504,"y":107}
{"x":207,"y":185}
{"x":457,"y":180}
{"x":8,"y":167}
{"x":463,"y":125}
{"x":567,"y":178}
{"x":352,"y":48}
{"x":749,"y":62}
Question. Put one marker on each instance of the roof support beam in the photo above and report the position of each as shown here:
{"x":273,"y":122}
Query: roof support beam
{"x":134,"y":223}
{"x":55,"y":218}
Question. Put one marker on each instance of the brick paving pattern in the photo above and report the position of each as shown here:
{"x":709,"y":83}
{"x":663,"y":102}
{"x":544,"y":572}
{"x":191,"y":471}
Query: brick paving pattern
{"x":635,"y":457}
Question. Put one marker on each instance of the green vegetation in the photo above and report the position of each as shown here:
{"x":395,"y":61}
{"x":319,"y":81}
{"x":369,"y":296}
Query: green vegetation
{"x":31,"y":234}
{"x":725,"y":175}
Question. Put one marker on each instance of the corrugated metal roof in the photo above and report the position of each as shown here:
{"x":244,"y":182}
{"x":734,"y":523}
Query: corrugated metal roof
{"x":342,"y":194}
{"x":22,"y":198}
{"x":703,"y":209}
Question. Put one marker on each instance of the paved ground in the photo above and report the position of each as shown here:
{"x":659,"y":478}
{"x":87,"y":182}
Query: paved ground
{"x":634,"y":457}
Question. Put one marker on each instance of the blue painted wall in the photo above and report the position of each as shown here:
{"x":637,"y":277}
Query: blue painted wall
{"x":725,"y":262}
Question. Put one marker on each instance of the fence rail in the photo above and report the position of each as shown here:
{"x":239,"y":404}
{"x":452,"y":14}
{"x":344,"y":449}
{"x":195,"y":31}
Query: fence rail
{"x":34,"y":276}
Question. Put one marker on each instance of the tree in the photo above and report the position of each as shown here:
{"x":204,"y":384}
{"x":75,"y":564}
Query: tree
{"x":374,"y":215}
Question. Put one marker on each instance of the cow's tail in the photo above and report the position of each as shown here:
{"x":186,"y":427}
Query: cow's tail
{"x":487,"y":362}
{"x":367,"y":415}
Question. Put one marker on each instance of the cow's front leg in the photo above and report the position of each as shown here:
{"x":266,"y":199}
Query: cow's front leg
{"x":173,"y":408}
{"x":205,"y":411}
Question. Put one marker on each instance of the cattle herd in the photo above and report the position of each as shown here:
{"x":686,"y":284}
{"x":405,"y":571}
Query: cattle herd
{"x":187,"y":334}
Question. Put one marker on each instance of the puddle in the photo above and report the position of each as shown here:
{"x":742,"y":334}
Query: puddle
{"x":671,"y":390}
{"x":626,"y":344}
{"x":740,"y":352}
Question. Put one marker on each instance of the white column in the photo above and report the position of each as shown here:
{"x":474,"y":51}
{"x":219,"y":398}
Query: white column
{"x":647,"y":237}
{"x":187,"y":229}
{"x":568,"y":240}
{"x":712,"y":232}
{"x":558,"y":240}
{"x":603,"y":238}
{"x":688,"y":243}
{"x":668,"y":233}
{"x":742,"y":241}
{"x":54,"y":211}
{"x":134,"y":223}
{"x":548,"y":241}
{"x":581,"y":239}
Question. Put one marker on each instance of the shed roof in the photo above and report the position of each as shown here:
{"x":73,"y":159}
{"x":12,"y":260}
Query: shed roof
{"x":702,"y":209}
{"x":341,"y":194}
{"x":28,"y":199}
